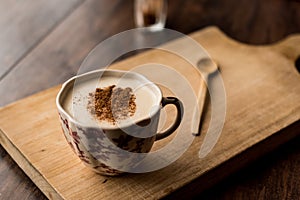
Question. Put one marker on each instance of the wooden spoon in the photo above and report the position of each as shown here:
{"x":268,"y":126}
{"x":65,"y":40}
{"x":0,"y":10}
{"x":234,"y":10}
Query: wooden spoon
{"x":206,"y":67}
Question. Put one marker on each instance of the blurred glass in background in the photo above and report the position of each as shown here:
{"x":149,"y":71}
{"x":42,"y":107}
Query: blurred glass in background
{"x":150,"y":14}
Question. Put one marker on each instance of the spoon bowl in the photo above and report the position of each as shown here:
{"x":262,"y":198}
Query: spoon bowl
{"x":207,"y":66}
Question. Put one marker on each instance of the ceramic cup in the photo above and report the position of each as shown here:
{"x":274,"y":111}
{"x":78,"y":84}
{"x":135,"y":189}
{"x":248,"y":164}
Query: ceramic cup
{"x":112,"y":150}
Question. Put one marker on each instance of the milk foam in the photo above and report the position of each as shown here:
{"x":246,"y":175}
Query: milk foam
{"x":76,"y":99}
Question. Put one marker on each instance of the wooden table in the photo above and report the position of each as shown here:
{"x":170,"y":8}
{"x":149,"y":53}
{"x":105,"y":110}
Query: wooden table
{"x":44,"y":42}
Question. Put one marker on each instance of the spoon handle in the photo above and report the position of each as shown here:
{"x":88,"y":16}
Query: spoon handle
{"x":198,"y":110}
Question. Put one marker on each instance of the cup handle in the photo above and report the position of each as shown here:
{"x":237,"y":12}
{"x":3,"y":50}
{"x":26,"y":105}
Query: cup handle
{"x":179,"y":106}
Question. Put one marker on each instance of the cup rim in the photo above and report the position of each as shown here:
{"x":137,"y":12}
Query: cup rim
{"x":76,"y":122}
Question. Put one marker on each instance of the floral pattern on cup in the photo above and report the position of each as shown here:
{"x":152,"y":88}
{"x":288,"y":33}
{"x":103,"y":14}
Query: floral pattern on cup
{"x":74,"y":140}
{"x":95,"y":145}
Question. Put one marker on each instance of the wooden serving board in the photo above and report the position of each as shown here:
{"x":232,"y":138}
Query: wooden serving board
{"x":262,"y":111}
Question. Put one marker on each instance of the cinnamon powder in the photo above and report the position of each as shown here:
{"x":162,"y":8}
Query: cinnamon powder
{"x":112,"y":103}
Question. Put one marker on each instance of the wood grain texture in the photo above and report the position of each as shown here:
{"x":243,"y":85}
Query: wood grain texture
{"x":47,"y":65}
{"x":12,"y":175}
{"x":253,"y":22}
{"x":88,"y":26}
{"x":24,"y":24}
{"x":249,"y":81}
{"x":256,"y":181}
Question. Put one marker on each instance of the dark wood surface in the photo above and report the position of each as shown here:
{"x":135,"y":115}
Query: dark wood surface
{"x":44,"y":42}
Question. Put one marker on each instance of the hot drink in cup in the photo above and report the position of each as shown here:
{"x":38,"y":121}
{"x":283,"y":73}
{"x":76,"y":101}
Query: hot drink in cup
{"x":110,"y":117}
